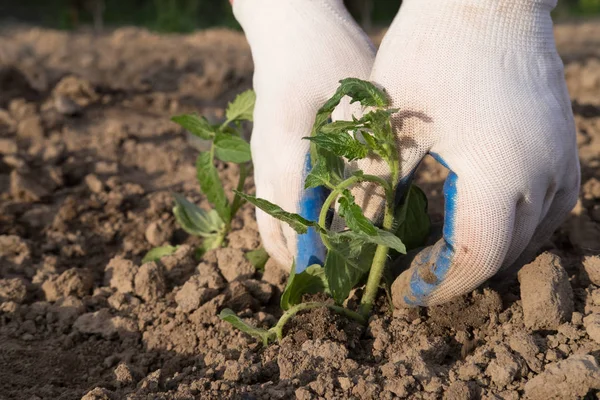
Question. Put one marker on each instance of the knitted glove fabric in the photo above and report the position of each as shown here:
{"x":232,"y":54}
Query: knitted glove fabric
{"x":480,"y":87}
{"x":301,"y":50}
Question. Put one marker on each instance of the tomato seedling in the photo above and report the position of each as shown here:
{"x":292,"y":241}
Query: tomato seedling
{"x":362,"y":250}
{"x":228,"y":145}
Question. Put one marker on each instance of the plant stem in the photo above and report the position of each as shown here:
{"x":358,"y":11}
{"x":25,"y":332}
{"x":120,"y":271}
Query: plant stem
{"x":378,"y":266}
{"x":237,"y":200}
{"x":338,"y":190}
{"x":278,"y":329}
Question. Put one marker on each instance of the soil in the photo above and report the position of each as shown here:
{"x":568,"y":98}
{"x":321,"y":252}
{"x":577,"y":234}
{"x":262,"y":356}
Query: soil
{"x":88,"y":159}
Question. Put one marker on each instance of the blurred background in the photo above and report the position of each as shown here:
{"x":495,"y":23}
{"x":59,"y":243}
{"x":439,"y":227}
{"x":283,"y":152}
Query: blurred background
{"x":188,"y":15}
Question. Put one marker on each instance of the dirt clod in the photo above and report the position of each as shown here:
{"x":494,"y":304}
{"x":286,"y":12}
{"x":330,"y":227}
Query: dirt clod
{"x":74,"y":281}
{"x":567,"y":379}
{"x":120,"y":274}
{"x":149,"y":282}
{"x":12,"y":290}
{"x":126,"y":375}
{"x":591,"y":266}
{"x":192,"y":295}
{"x":99,"y":394}
{"x":103,"y":323}
{"x":592,"y":326}
{"x":233,"y":265}
{"x":546,"y":293}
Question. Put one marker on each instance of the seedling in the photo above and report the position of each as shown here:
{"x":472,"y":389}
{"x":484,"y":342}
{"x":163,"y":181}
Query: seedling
{"x":363,"y":249}
{"x":228,"y":145}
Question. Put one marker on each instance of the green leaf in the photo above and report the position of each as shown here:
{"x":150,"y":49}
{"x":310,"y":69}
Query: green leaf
{"x":258,"y":258}
{"x":340,"y":144}
{"x":358,"y":239}
{"x":196,"y":125}
{"x":328,"y":171}
{"x":211,"y":185}
{"x":212,"y":242}
{"x":340,"y":126}
{"x":261,"y":334}
{"x":364,"y":92}
{"x":343,"y":273}
{"x":230,"y":148}
{"x":353,"y":215}
{"x":194,"y":220}
{"x":298,"y":223}
{"x":159,"y":252}
{"x":310,"y":281}
{"x":242,"y":108}
{"x":412,"y":219}
{"x":350,"y":258}
{"x":383,"y":139}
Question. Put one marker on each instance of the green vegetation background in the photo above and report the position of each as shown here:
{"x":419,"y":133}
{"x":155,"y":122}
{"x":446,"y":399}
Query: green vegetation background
{"x":187,"y":15}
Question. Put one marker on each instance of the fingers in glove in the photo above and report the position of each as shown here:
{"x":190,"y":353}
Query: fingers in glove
{"x":476,"y":236}
{"x":310,"y":248}
{"x":560,"y":204}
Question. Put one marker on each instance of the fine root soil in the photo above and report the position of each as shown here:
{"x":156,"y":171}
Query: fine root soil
{"x":88,"y":158}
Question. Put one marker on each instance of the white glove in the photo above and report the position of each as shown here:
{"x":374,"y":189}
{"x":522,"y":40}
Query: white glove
{"x":480,"y":86}
{"x":301,"y":50}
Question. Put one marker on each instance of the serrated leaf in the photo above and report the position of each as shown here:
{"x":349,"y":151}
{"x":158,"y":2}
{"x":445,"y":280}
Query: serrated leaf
{"x":310,"y":281}
{"x":194,"y":220}
{"x":343,"y":273}
{"x":350,"y":258}
{"x":328,"y":171}
{"x":242,"y":108}
{"x":383,"y":140}
{"x":230,"y":148}
{"x":211,"y":186}
{"x":196,"y":125}
{"x":358,"y":239}
{"x":353,"y":215}
{"x":263,"y":335}
{"x":412,"y":219}
{"x":340,"y":127}
{"x":342,"y":145}
{"x":258,"y":258}
{"x":158,"y":252}
{"x":364,"y":92}
{"x":295,"y":221}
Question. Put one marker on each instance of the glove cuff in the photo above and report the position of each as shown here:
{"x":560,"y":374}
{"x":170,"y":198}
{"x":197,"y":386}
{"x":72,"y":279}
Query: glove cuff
{"x":495,"y":23}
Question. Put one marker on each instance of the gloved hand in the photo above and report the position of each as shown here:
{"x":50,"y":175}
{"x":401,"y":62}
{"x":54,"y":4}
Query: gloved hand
{"x":301,"y":50}
{"x":481,"y":88}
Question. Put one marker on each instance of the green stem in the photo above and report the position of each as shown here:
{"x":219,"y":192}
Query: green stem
{"x":278,"y":329}
{"x":338,"y":190}
{"x":378,"y":265}
{"x":237,"y":200}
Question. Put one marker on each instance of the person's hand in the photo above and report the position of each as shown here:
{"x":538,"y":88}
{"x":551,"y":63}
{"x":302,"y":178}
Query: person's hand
{"x":301,"y":50}
{"x":481,"y":88}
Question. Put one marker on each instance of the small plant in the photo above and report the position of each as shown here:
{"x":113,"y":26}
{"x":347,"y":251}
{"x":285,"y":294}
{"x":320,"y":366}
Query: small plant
{"x":363,"y":249}
{"x":228,"y":145}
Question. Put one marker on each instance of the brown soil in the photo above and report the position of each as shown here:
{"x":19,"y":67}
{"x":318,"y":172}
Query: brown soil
{"x":87,"y":160}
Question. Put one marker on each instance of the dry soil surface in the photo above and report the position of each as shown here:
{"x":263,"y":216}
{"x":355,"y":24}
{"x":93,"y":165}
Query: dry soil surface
{"x":88,"y":159}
